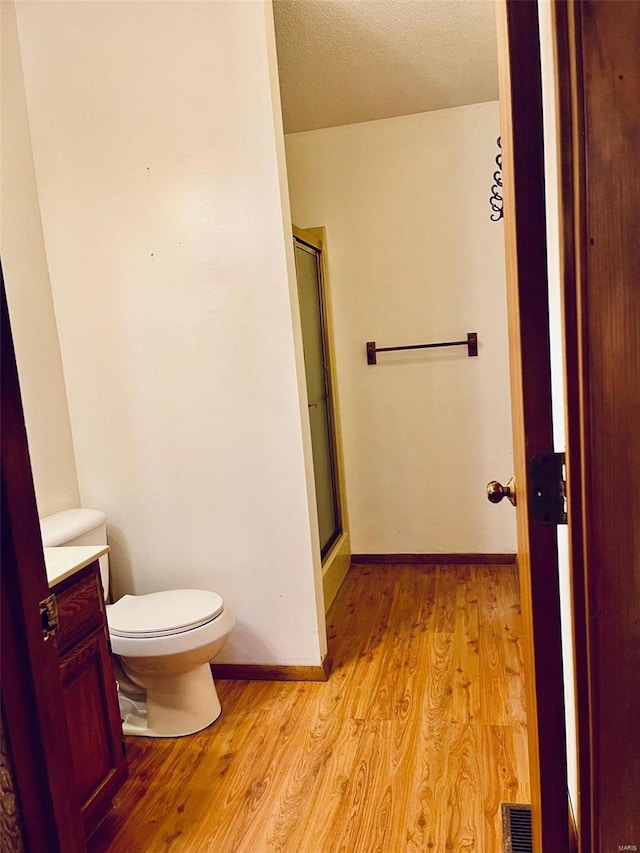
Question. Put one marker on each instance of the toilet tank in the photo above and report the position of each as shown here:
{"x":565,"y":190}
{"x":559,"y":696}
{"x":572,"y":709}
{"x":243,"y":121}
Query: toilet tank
{"x":78,"y":527}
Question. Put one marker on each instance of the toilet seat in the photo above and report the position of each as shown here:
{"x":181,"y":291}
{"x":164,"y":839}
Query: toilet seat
{"x":163,"y":614}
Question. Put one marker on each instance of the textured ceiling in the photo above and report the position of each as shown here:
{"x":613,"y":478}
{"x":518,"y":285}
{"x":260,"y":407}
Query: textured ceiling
{"x":346,"y":61}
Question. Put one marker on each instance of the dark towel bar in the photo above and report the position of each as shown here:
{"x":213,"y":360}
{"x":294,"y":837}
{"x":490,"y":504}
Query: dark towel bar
{"x":471,"y":343}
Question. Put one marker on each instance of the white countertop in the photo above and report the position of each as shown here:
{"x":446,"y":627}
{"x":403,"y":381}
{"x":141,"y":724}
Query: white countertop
{"x":63,"y":562}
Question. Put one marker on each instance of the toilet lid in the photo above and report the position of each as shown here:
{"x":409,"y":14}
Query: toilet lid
{"x":160,"y":614}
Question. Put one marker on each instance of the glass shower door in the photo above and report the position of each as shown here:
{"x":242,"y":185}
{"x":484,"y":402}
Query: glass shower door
{"x":314,"y":341}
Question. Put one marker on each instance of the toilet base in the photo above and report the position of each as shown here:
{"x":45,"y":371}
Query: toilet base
{"x":176,"y":705}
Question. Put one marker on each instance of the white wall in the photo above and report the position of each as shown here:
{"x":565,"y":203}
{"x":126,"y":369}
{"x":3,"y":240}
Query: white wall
{"x":414,"y":258}
{"x":155,"y":149}
{"x":557,"y":374}
{"x":26,"y":276}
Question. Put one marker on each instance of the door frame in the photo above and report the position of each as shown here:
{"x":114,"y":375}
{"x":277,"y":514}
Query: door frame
{"x":571,"y":204}
{"x":530,"y":369}
{"x":589,"y":39}
{"x":599,"y":277}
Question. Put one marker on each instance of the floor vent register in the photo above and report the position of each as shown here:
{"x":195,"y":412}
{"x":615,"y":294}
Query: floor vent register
{"x":516,"y":828}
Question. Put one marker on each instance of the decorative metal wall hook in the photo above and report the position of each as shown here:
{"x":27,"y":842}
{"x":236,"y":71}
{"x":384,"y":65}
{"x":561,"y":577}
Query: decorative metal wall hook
{"x":496,"y":189}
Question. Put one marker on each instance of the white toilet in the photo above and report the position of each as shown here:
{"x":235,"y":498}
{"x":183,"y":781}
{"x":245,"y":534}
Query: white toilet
{"x":164,"y":641}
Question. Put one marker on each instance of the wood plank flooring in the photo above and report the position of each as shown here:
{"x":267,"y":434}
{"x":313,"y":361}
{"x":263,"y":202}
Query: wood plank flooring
{"x":412,"y":744}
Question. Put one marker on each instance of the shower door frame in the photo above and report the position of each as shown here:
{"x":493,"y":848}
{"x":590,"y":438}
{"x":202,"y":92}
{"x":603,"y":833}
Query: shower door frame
{"x":312,"y":243}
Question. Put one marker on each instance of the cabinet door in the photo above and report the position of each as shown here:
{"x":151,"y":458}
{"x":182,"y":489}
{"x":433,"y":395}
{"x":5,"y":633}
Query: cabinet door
{"x":95,"y":732}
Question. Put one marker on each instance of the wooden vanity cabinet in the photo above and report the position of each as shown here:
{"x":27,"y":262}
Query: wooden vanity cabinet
{"x":91,"y":700}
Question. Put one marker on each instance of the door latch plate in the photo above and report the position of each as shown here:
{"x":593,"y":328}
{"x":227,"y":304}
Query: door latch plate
{"x":547,"y":488}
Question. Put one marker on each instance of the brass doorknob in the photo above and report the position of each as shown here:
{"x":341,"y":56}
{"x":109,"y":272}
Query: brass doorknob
{"x":496,"y":491}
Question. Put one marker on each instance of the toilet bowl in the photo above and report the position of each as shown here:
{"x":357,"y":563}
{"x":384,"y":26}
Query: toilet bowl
{"x":164,"y":642}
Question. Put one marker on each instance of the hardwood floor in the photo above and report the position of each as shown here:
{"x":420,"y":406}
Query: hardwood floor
{"x":411,"y":745}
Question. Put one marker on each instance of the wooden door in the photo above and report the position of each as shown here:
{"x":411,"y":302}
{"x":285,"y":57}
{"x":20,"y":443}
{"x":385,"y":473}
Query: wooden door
{"x":525,"y":241}
{"x":32,"y":699}
{"x":599,"y":97}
